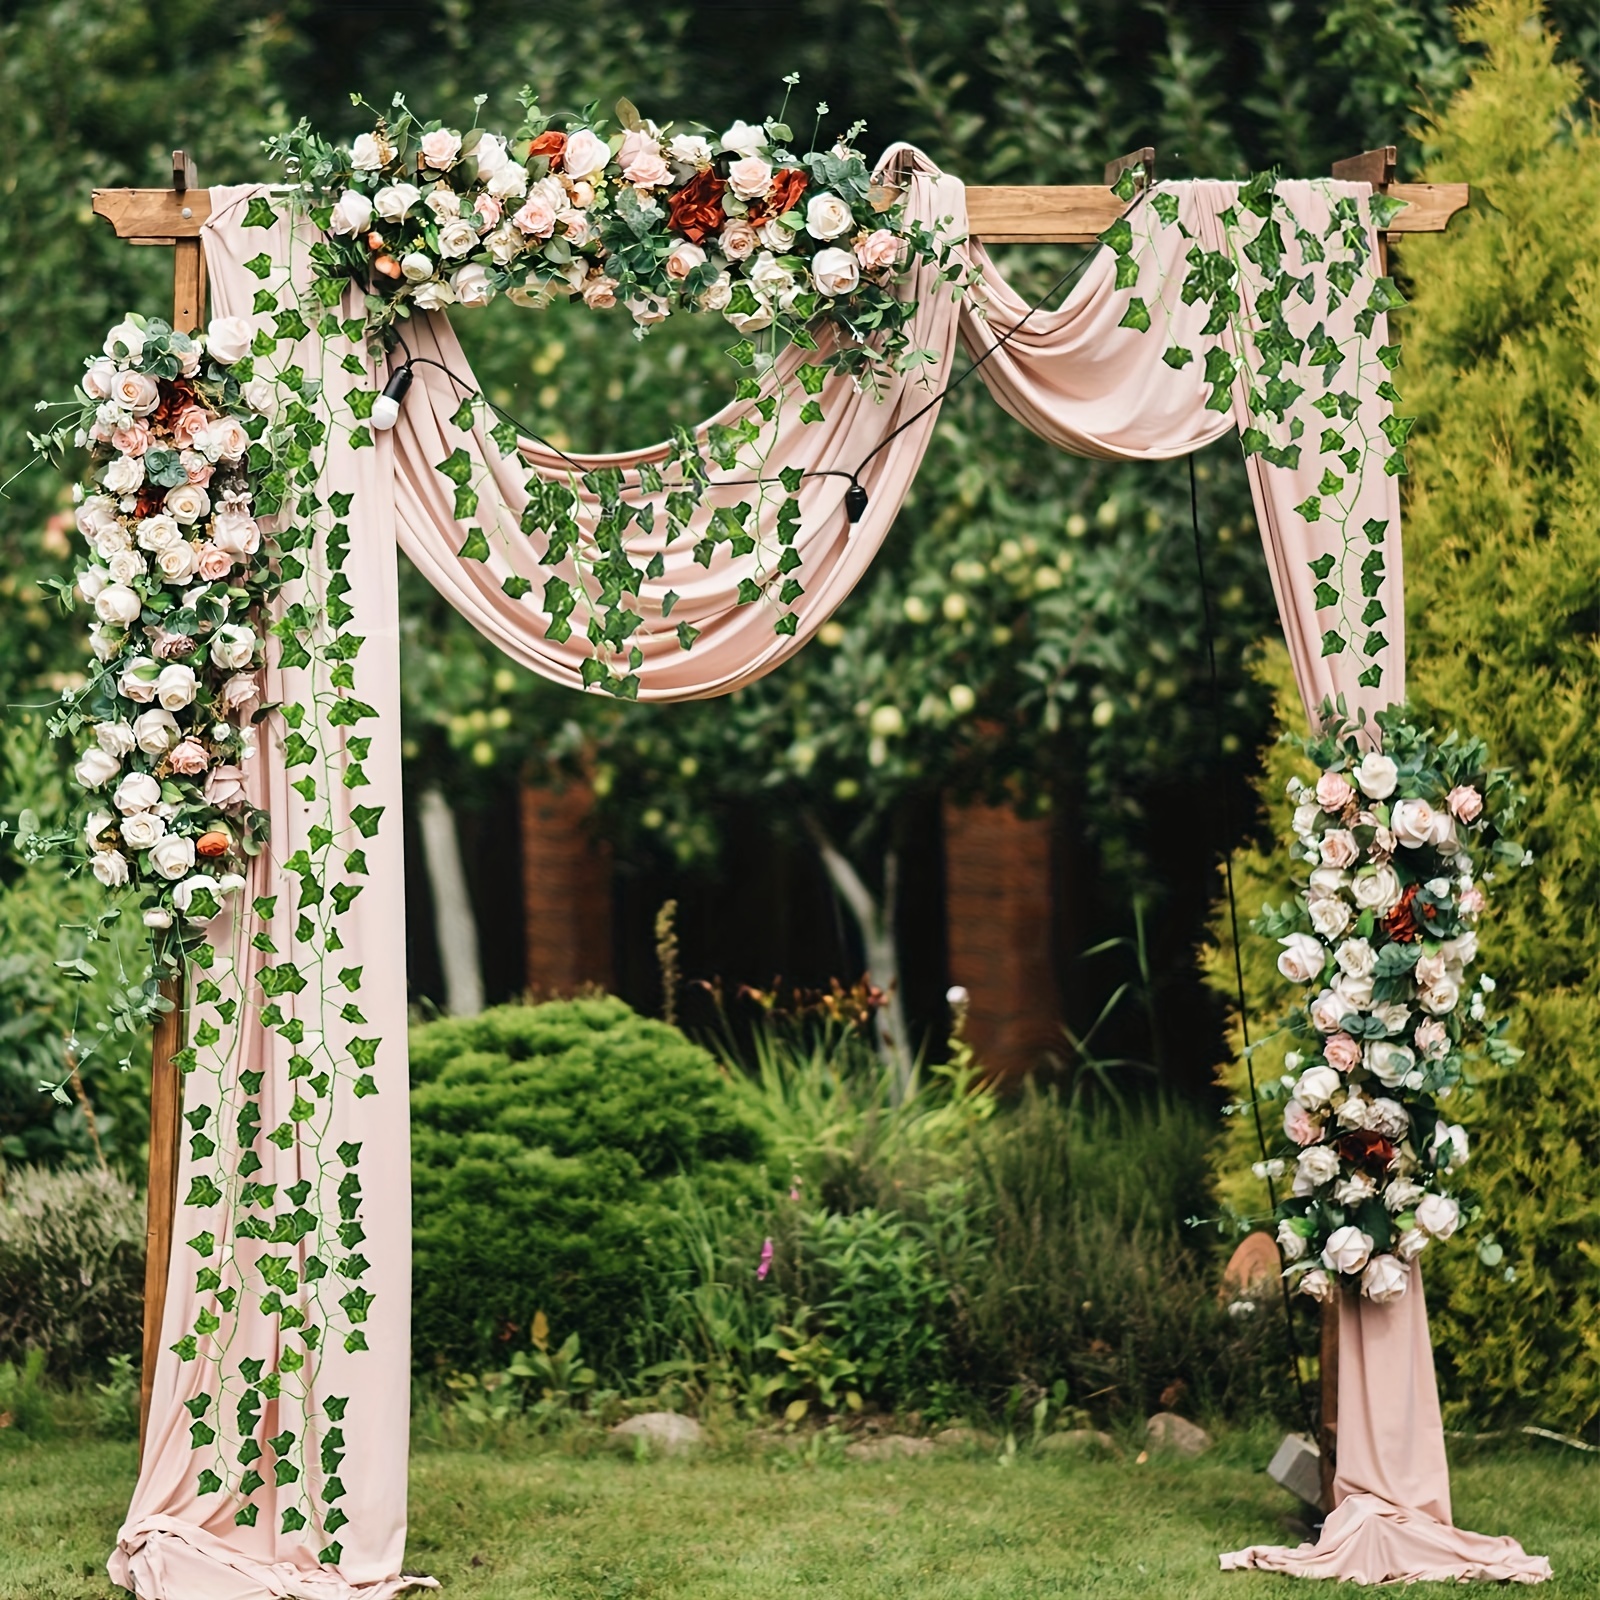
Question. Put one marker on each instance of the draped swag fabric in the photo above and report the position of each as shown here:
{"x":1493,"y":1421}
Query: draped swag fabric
{"x":1070,"y":374}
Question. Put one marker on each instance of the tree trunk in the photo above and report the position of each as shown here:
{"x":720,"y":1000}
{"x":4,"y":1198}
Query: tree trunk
{"x":455,"y":928}
{"x":874,"y":921}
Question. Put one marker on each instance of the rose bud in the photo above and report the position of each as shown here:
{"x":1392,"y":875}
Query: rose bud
{"x":374,"y":240}
{"x":388,"y":266}
{"x":215,"y":843}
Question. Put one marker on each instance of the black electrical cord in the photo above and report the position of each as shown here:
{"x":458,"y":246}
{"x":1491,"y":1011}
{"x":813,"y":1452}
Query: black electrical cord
{"x":1233,"y":915}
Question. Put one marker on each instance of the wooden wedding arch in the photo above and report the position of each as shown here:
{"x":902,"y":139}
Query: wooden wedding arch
{"x":998,"y":214}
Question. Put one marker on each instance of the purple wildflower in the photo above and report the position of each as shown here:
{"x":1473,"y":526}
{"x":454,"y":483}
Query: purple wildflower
{"x":766,"y":1260}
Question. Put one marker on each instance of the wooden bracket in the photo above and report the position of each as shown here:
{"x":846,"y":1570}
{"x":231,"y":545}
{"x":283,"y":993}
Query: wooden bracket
{"x":1145,"y":157}
{"x":1371,"y":166}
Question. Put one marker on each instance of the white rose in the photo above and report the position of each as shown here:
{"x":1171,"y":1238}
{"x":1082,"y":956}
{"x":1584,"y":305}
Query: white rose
{"x":98,"y":379}
{"x":124,"y":474}
{"x":1302,"y":959}
{"x":352,"y":213}
{"x":444,"y":204}
{"x":458,"y":238}
{"x":369,"y":152}
{"x":751,"y":321}
{"x":1449,"y":1144}
{"x":1384,"y":1280}
{"x":173,"y":857}
{"x":158,"y":917}
{"x":1411,"y":822}
{"x":395,"y":199}
{"x":156,"y":533}
{"x":1393,"y":1016}
{"x":716,"y":298}
{"x":1389,"y":1118}
{"x":108,"y":541}
{"x":102,"y":644}
{"x":1356,"y":992}
{"x":1316,"y":1165}
{"x":183,"y":894}
{"x":118,"y":605}
{"x":1356,"y":957}
{"x":115,"y":738}
{"x":775,"y":236}
{"x":1327,"y":881}
{"x":434,"y":296}
{"x":1305,"y":819}
{"x":1328,"y":1011}
{"x":1316,"y":1086}
{"x":1376,"y":776}
{"x":124,"y":567}
{"x":97,"y":512}
{"x":1290,"y":1242}
{"x":155,"y":731}
{"x":1316,"y":1284}
{"x":1353,"y":1190}
{"x":1389,"y":1062}
{"x":503,"y":245}
{"x":742,"y":139}
{"x":648,"y":309}
{"x":92,"y":582}
{"x":1401,"y":1194}
{"x":188,"y":502}
{"x":137,"y":792}
{"x":491,"y":154}
{"x":835,"y":271}
{"x":1411,"y":1243}
{"x":237,"y":532}
{"x":1461,"y":951}
{"x":827,"y":216}
{"x":690,"y":150}
{"x":585,"y":156}
{"x":768,"y":277}
{"x":130,"y":336}
{"x":232,"y":646}
{"x":1442,"y":833}
{"x":416,"y":267}
{"x":111,"y":868}
{"x":228,"y":339}
{"x":137,"y":393}
{"x":142,"y":830}
{"x":175,"y":687}
{"x":1347,"y":1250}
{"x":260,"y":395}
{"x":1355,"y":1112}
{"x":1330,"y":916}
{"x":1376,"y":889}
{"x":1439,"y":999}
{"x":1338,"y":848}
{"x":137,"y":681}
{"x":471,"y":284}
{"x":178,"y":562}
{"x":96,"y":767}
{"x":510,"y":182}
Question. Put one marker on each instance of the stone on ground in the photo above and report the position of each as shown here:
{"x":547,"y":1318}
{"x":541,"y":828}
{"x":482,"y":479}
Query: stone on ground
{"x":662,"y":1430}
{"x":886,"y":1447}
{"x":1079,"y":1441}
{"x":1169,"y":1431}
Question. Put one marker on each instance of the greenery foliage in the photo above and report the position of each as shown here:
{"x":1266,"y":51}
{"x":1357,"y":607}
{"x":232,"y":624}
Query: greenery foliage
{"x":71,"y":1269}
{"x":545,"y":1140}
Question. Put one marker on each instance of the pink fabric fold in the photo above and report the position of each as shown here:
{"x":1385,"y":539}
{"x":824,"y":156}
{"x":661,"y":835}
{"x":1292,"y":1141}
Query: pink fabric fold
{"x":1391,"y":1519}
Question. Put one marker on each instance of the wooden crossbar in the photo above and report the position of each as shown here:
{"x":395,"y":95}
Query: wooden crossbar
{"x":996,"y":214}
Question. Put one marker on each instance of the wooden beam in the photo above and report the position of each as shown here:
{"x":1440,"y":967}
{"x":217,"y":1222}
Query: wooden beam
{"x":1035,"y":214}
{"x":1144,"y":157}
{"x":1371,"y":166}
{"x":161,"y":1191}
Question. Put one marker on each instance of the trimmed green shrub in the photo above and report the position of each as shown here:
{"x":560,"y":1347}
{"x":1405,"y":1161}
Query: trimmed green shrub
{"x":544,"y":1139}
{"x":71,"y":1269}
{"x":1502,"y":549}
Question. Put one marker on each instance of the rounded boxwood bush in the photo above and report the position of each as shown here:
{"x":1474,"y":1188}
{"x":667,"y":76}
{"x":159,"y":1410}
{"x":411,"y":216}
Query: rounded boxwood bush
{"x":543,"y":1141}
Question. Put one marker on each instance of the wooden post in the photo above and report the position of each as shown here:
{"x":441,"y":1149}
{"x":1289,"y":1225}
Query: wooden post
{"x":1377,"y":168}
{"x":166,"y":1082}
{"x":1328,"y":1425}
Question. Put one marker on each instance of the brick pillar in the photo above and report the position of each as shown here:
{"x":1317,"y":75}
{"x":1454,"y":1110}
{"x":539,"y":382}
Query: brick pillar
{"x":566,"y":891}
{"x":998,"y":914}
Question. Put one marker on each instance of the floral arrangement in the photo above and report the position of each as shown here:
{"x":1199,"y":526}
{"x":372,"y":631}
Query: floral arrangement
{"x":177,"y":574}
{"x":653,"y":219}
{"x":1400,"y":842}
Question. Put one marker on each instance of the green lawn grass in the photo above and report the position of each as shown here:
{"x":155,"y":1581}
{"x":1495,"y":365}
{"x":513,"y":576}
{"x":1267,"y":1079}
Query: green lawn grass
{"x":580,"y":1523}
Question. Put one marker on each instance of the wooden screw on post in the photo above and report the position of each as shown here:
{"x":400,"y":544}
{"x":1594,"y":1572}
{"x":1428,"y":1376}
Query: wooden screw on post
{"x":166,"y":1082}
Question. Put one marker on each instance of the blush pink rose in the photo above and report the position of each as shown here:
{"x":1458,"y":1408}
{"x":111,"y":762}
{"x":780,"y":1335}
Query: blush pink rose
{"x":1343,"y":1052}
{"x":190,"y":424}
{"x":1432,"y":1038}
{"x":880,"y":248}
{"x":440,"y":148}
{"x":1299,"y":1124}
{"x":240,"y":694}
{"x":231,"y":439}
{"x":750,"y":177}
{"x":225,"y":788}
{"x":212,"y":563}
{"x":132,"y":440}
{"x":600,"y":293}
{"x":1334,"y":792}
{"x":189,"y":758}
{"x":1465,"y":803}
{"x":1472,"y":901}
{"x":647,"y":172}
{"x":537,"y":217}
{"x":196,"y":467}
{"x":1339,"y":848}
{"x":488,"y":209}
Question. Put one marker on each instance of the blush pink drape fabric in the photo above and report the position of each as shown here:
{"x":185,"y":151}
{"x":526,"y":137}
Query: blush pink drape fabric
{"x":1070,"y":374}
{"x":1391,"y":1520}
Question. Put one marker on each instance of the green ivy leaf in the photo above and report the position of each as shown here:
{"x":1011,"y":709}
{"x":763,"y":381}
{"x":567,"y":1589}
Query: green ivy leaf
{"x":1136,"y":316}
{"x":259,"y":214}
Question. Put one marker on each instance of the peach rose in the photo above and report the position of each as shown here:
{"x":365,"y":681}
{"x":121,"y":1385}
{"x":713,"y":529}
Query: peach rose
{"x":190,"y":424}
{"x":225,"y":788}
{"x":189,"y":758}
{"x":440,"y":148}
{"x":600,"y":292}
{"x":1334,"y":792}
{"x":132,"y":440}
{"x":213,"y":564}
{"x":537,"y":217}
{"x":879,"y":249}
{"x":750,"y":177}
{"x":1466,"y":804}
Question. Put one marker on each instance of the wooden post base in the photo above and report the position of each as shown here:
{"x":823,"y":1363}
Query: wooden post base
{"x":166,"y":1123}
{"x":1328,"y":1429}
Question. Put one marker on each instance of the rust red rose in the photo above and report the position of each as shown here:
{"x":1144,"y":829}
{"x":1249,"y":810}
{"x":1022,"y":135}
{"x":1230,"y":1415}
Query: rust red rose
{"x":695,"y":211}
{"x":1361,"y":1147}
{"x":1401,"y":922}
{"x":788,"y":184}
{"x":550,"y":143}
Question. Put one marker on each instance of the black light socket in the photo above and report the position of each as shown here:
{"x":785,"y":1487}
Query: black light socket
{"x":855,"y":502}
